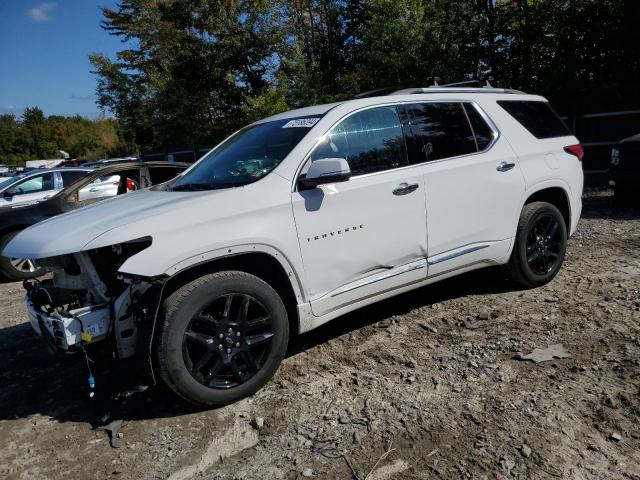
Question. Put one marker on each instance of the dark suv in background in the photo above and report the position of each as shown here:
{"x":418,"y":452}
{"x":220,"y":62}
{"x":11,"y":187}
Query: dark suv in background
{"x":625,"y":169}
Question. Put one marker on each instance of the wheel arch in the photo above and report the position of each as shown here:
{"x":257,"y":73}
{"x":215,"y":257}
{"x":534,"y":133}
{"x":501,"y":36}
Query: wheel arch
{"x":557,"y":196}
{"x":264,"y":265}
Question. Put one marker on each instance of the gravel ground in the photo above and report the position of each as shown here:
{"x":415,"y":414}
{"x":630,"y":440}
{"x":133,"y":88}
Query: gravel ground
{"x":425,"y":385}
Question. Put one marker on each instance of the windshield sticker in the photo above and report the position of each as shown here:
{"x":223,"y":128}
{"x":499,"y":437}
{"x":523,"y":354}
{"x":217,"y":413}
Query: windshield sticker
{"x":301,"y":122}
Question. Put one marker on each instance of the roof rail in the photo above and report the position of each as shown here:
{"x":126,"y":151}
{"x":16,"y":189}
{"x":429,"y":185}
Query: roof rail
{"x":446,"y":89}
{"x":374,"y":93}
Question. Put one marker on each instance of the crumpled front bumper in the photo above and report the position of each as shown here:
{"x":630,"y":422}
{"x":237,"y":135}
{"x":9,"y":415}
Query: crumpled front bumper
{"x":65,"y":330}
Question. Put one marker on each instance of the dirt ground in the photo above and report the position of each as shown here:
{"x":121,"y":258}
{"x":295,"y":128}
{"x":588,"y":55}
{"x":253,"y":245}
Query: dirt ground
{"x":429,"y":383}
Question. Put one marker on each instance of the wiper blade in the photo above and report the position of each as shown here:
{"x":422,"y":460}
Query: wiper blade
{"x":192,"y":187}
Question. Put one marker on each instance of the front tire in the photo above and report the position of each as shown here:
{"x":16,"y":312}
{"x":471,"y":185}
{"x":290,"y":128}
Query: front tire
{"x":221,"y":338}
{"x":540,"y":245}
{"x":16,"y":269}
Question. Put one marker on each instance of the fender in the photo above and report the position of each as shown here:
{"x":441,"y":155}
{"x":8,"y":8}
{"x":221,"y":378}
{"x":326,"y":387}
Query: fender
{"x":231,"y":251}
{"x":552,"y":183}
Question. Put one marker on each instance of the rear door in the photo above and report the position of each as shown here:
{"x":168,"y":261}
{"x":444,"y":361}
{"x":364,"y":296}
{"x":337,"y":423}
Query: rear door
{"x":366,"y":235}
{"x":473,"y":182}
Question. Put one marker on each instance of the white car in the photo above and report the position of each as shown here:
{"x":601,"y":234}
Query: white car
{"x":104,"y":187}
{"x":37,"y":184}
{"x":300,"y":218}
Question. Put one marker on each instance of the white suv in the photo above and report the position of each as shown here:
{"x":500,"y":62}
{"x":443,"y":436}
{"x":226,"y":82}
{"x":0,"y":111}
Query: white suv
{"x":300,"y":218}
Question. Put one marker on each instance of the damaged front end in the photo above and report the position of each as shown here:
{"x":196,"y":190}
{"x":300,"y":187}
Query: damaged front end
{"x":87,"y":302}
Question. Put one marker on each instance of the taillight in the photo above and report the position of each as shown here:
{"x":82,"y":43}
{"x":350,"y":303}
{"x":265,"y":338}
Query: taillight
{"x":575,"y":150}
{"x":130,"y":184}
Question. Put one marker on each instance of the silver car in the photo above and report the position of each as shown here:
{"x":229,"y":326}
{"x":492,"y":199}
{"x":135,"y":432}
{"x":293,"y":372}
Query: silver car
{"x":38,"y":184}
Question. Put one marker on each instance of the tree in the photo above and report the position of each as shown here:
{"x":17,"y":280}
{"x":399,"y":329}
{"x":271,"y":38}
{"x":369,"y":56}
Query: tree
{"x":191,"y":71}
{"x":195,"y":64}
{"x":38,"y":137}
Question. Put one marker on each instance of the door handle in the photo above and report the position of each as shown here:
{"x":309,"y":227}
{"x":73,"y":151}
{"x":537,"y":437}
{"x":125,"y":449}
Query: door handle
{"x":405,"y":188}
{"x":505,"y":167}
{"x":94,"y":189}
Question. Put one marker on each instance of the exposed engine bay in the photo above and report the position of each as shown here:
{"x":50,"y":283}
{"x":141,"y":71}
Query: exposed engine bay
{"x":85,"y":301}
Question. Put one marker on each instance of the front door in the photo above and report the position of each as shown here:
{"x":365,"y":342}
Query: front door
{"x":366,"y":235}
{"x":30,"y":190}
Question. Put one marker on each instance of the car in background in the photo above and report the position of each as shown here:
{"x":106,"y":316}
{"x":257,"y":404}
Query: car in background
{"x":124,"y":177}
{"x":625,"y":169}
{"x":38,"y":184}
{"x":105,"y":187}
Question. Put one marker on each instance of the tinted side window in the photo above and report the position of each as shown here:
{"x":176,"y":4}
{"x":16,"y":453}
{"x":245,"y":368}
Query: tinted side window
{"x":537,"y":117}
{"x":443,"y":129}
{"x":481,"y":130}
{"x":371,"y":141}
{"x":69,"y":177}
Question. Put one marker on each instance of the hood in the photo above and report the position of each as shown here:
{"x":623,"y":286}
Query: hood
{"x":84,"y":228}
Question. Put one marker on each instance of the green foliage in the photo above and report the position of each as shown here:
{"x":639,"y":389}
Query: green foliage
{"x":35,"y":136}
{"x":196,"y":69}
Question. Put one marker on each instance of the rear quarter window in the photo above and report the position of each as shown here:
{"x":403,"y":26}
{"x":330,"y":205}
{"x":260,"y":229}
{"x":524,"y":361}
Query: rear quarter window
{"x":537,"y":117}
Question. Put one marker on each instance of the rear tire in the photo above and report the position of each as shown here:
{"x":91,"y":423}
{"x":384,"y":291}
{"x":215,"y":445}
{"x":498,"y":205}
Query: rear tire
{"x":221,"y":338}
{"x":16,"y":269}
{"x":540,"y":245}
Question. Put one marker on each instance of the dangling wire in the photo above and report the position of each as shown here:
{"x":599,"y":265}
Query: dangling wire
{"x":91,"y":380}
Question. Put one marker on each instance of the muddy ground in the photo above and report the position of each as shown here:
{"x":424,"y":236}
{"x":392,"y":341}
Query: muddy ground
{"x":428,"y":382}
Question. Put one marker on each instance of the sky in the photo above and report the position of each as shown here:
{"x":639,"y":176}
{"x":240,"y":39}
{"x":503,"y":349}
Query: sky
{"x":44,"y":48}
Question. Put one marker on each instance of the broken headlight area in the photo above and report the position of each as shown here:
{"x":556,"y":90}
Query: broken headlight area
{"x":86,"y":302}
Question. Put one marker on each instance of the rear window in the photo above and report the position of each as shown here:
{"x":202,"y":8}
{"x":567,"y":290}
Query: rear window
{"x":537,"y":117}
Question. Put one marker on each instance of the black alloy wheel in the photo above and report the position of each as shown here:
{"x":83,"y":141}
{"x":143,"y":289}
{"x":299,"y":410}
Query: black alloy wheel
{"x":539,"y":247}
{"x":220,"y":337}
{"x":228,"y":341}
{"x":544,"y":243}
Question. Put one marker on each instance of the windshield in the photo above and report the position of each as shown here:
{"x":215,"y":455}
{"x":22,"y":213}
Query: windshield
{"x":247,"y":156}
{"x":8,"y":181}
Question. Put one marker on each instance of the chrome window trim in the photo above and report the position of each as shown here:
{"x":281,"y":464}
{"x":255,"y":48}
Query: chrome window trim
{"x":483,"y":114}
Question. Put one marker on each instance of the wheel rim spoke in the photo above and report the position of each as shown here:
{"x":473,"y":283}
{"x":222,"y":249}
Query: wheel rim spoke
{"x":258,"y":322}
{"x":213,"y":371}
{"x":255,"y":340}
{"x":237,"y":374}
{"x":203,"y":361}
{"x":251,"y":360}
{"x":200,"y":338}
{"x":23,"y":264}
{"x":244,"y":309}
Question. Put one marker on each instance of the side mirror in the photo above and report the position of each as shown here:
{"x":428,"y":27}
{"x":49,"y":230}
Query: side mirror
{"x":325,"y":170}
{"x":8,"y":193}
